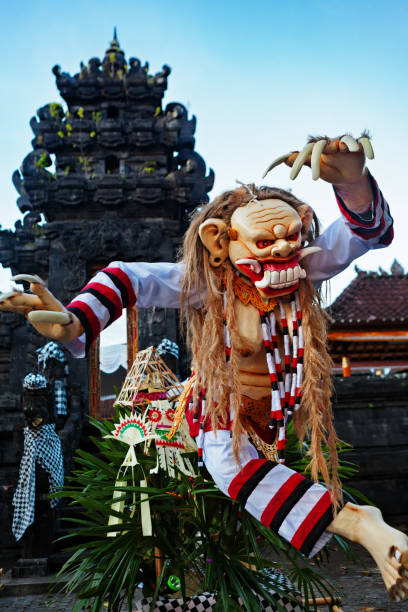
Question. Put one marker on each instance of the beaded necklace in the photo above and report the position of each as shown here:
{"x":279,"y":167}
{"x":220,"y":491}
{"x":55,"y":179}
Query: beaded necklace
{"x":285,"y":390}
{"x":285,"y":393}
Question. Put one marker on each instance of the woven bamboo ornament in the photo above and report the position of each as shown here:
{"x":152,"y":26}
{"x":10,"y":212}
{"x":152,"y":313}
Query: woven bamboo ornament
{"x":149,"y":379}
{"x":170,"y":452}
{"x":182,"y":403}
{"x":132,"y":430}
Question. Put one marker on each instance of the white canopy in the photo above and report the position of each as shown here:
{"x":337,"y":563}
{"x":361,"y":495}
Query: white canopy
{"x":112,"y":357}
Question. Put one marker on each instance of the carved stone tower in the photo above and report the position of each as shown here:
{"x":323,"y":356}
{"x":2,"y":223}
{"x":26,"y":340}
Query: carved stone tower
{"x":112,"y":176}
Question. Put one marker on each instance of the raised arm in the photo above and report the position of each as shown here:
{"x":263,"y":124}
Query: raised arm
{"x":351,"y":235}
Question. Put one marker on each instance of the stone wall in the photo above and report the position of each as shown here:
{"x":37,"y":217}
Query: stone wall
{"x":371,"y":414}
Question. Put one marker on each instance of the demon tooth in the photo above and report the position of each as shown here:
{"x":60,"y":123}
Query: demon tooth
{"x":275,"y":278}
{"x":308,"y":251}
{"x":253,"y":263}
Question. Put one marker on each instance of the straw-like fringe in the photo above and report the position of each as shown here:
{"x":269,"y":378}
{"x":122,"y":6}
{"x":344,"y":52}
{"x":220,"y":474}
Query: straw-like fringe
{"x":235,"y":399}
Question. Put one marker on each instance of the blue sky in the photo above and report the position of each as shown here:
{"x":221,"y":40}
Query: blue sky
{"x":259,"y":76}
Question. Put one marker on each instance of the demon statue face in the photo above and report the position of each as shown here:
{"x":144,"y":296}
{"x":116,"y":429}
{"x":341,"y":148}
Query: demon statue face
{"x":265,"y":244}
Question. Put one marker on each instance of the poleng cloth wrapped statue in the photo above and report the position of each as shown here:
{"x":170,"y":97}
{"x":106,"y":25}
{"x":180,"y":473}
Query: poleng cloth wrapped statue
{"x":42,"y":446}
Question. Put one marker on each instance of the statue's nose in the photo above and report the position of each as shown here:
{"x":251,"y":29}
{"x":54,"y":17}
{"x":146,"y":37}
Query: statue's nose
{"x":282,"y":248}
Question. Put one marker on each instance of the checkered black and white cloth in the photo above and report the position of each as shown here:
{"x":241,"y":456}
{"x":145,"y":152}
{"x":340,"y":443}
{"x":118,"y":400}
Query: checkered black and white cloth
{"x":34,"y":381}
{"x":205,"y":602}
{"x":60,"y":398}
{"x":169,"y":347}
{"x":51,"y":349}
{"x":42,"y":446}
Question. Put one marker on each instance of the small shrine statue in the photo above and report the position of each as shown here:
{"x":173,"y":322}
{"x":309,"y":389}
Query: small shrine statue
{"x":52,"y":363}
{"x":41,"y":470}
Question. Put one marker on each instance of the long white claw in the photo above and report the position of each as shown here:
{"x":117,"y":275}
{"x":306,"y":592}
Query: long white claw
{"x":300,"y":160}
{"x":9,"y":294}
{"x":308,"y":251}
{"x":49,"y":316}
{"x":29,"y":278}
{"x":315,"y":161}
{"x":351,"y":143}
{"x":367,"y":147}
{"x":279,"y":160}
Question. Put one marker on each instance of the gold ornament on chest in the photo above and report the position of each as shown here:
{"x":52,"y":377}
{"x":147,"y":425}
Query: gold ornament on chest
{"x":248,"y":294}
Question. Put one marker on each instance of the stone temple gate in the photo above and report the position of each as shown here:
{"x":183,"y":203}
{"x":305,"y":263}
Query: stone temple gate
{"x":112,"y":175}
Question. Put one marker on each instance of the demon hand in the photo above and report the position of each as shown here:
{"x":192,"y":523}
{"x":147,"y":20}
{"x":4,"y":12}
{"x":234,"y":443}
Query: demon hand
{"x":42,"y":309}
{"x":338,"y":160}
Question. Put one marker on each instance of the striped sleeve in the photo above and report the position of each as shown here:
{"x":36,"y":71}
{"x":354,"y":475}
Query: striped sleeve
{"x":296,"y":508}
{"x":374,"y":225}
{"x":102,"y":300}
{"x":119,"y":286}
{"x":349,"y":237}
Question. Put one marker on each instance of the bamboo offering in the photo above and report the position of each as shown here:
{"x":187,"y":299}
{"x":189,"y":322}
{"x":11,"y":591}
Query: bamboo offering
{"x":149,"y":379}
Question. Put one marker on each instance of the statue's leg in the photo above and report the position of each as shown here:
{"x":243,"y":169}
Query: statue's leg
{"x":296,"y":508}
{"x":387,"y":546}
{"x":301,"y":511}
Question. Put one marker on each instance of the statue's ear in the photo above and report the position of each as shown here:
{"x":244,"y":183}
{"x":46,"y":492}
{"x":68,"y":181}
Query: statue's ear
{"x":306,"y":214}
{"x":211,"y":234}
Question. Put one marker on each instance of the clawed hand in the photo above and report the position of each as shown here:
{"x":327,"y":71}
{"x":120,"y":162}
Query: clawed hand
{"x":41,"y":308}
{"x":388,"y":546}
{"x":398,"y":574}
{"x":338,"y":161}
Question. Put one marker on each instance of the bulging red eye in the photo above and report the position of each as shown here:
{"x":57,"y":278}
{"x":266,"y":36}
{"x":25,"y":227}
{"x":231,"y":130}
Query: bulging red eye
{"x":294,"y":236}
{"x":262,"y":244}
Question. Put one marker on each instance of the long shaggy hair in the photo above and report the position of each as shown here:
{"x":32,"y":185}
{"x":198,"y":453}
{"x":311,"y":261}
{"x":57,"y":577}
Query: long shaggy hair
{"x":205,"y":338}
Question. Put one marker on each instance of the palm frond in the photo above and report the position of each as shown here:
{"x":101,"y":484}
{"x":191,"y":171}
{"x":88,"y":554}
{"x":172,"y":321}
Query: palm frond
{"x":204,"y":537}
